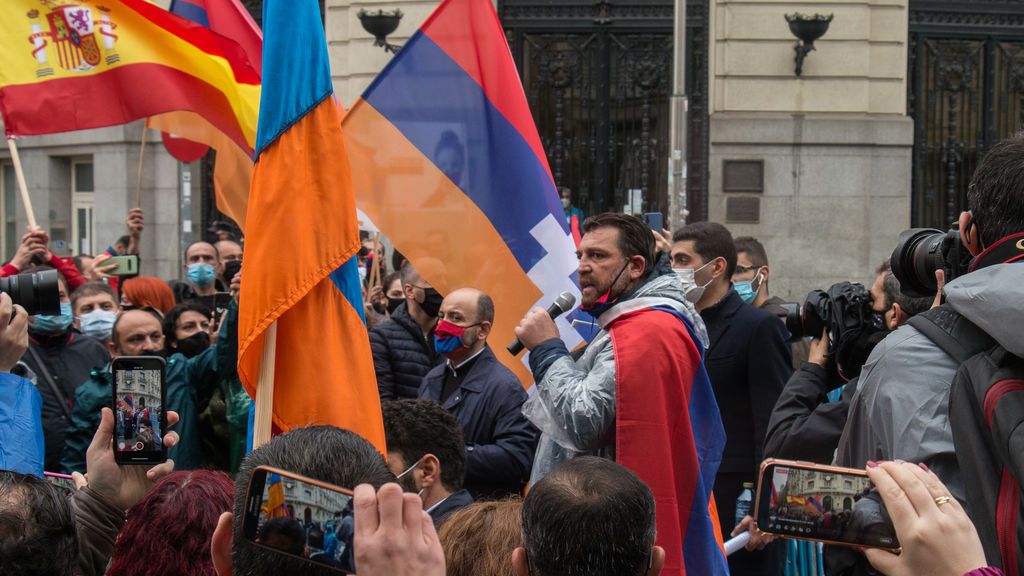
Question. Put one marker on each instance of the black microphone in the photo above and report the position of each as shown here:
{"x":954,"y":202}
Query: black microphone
{"x":561,"y":305}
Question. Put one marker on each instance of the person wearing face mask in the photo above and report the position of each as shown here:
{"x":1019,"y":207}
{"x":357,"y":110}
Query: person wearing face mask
{"x":427,"y":455}
{"x":750,"y":281}
{"x":95,"y":308}
{"x":639,"y":394}
{"x":484,"y":396}
{"x":187,"y":329}
{"x":403,"y":345}
{"x":749,"y":362}
{"x":140,"y":333}
{"x":61,"y":359}
{"x":202,"y":264}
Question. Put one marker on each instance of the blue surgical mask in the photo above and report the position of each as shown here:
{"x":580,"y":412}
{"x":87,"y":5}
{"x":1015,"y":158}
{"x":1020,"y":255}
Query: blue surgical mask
{"x":201,"y":274}
{"x":46,"y":324}
{"x":746,"y":290}
{"x":98,"y":323}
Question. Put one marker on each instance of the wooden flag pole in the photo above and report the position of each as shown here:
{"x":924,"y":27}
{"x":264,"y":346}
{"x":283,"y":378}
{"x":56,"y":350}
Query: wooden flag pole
{"x":22,"y":187}
{"x":142,"y":158}
{"x":263,"y":424}
{"x":375,"y":269}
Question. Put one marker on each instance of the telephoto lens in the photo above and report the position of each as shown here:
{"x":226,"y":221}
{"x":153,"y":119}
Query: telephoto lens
{"x":36,"y":292}
{"x":920,"y":252}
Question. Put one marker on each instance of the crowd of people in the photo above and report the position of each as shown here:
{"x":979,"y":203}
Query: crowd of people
{"x":694,"y":379}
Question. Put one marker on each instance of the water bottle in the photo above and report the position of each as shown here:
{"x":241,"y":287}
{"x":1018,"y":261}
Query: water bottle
{"x":744,"y":502}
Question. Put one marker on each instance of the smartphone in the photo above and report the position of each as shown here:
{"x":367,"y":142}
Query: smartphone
{"x":61,"y":481}
{"x":300,"y":517}
{"x":655,"y":220}
{"x":140,"y":420}
{"x":127,"y":265}
{"x":231,"y":268}
{"x":806,"y":501}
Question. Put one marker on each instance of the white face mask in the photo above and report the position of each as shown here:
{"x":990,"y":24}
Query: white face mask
{"x":693,"y":290}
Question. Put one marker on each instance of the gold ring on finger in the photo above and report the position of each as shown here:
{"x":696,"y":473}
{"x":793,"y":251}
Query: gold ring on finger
{"x":942,"y":500}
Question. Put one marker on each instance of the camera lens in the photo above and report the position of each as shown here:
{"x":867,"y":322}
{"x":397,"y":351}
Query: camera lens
{"x":36,"y":292}
{"x":794,"y":323}
{"x":917,"y":256}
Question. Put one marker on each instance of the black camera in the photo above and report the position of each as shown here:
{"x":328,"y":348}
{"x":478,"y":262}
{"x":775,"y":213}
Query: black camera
{"x":920,"y":252}
{"x":846,"y":312}
{"x":36,"y":292}
{"x":231,"y":268}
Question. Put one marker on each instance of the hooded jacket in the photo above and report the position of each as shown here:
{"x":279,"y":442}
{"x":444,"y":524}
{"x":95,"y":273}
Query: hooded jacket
{"x":901,"y":409}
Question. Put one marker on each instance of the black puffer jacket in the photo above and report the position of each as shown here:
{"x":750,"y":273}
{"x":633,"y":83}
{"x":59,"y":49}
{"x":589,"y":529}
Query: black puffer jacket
{"x":402,"y":356}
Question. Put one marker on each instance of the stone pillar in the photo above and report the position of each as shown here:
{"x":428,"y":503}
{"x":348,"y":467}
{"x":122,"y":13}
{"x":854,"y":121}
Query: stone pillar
{"x":835,"y":143}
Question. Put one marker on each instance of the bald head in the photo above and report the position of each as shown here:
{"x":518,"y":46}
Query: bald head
{"x":137,"y":333}
{"x":478,"y":305}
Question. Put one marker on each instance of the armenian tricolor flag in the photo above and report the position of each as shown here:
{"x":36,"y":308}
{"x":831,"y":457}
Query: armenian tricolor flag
{"x":450,"y":167}
{"x":302,"y":238}
{"x":76,"y":64}
{"x":275,"y":504}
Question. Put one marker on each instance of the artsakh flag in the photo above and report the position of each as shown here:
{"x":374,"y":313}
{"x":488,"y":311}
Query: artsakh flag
{"x":89,"y":64}
{"x":301,"y":241}
{"x":448,"y":164}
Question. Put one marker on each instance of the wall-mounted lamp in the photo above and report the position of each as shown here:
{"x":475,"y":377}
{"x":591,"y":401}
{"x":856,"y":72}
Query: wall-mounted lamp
{"x":807,"y":29}
{"x":380,"y":24}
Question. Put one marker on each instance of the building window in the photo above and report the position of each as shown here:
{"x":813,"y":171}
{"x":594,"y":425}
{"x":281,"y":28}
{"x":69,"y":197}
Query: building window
{"x":83,"y":203}
{"x":9,"y":190}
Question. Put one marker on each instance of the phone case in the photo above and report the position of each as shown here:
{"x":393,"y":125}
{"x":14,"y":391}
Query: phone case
{"x":805,"y":466}
{"x":145,"y":420}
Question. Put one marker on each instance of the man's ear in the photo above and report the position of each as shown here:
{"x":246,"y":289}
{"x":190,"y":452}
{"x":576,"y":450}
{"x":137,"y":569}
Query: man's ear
{"x":637,"y":266}
{"x":519,"y":564}
{"x":431,"y":467}
{"x":969,"y":235}
{"x":408,"y":291}
{"x":898,"y":318}
{"x":111,"y":347}
{"x":220,"y":545}
{"x":485,"y":330}
{"x":657,"y":561}
{"x":765,"y":274}
{"x":719,"y":267}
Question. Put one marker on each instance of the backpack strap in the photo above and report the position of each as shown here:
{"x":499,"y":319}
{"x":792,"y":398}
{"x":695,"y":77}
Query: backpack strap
{"x":941,"y":338}
{"x":61,"y":398}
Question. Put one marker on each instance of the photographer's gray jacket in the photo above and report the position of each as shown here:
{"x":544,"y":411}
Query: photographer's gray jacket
{"x":901,"y":409}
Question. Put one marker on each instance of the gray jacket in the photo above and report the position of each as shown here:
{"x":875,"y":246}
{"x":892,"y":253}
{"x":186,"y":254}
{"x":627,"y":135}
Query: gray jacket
{"x":901,"y":408}
{"x":573,"y":403}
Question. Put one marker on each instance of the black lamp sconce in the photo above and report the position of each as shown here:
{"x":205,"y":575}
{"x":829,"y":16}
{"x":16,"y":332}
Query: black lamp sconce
{"x":807,"y":29}
{"x":380,"y":24}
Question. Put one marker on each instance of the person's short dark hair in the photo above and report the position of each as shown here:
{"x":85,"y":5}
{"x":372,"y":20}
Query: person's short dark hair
{"x":91,"y":289}
{"x":754,"y":249}
{"x":37,"y":528}
{"x":170,"y":321}
{"x":289,"y":529}
{"x":485,"y":308}
{"x":995,"y":196}
{"x":635,"y":237}
{"x":884,"y":267}
{"x":125,"y":241}
{"x":571,"y":517}
{"x":212,"y":244}
{"x":415,"y":428}
{"x":711,"y":240}
{"x":326,"y":453}
{"x":893,"y":295}
{"x":407,"y":272}
{"x":77,"y":260}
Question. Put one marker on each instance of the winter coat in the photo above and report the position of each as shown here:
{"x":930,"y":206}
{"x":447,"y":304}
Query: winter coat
{"x":402,"y":355}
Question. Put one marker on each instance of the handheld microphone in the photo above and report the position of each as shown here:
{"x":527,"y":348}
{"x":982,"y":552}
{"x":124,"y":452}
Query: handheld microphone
{"x":561,"y":305}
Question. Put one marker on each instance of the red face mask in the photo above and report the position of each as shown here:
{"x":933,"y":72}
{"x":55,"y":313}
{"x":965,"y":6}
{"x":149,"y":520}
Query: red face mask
{"x":446,"y":329}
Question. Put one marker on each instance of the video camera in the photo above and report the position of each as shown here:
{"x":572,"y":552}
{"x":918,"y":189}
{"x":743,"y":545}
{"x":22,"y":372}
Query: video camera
{"x":36,"y":292}
{"x":921,"y":251}
{"x":846,"y":312}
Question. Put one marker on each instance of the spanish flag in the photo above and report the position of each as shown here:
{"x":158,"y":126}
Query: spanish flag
{"x":302,"y":238}
{"x":76,"y":64}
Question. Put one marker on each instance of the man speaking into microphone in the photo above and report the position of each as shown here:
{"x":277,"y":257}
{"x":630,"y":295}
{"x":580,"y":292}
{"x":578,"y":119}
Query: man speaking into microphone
{"x":639,"y":394}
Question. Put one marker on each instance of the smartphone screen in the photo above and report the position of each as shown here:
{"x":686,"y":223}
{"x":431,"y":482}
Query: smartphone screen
{"x":655,"y":220}
{"x":301,"y":517}
{"x":139,"y":418}
{"x":822,"y":503}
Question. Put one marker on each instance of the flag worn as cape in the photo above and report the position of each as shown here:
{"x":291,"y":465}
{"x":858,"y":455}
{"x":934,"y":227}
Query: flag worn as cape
{"x":669,"y":432}
{"x":21,"y":426}
{"x":301,"y":241}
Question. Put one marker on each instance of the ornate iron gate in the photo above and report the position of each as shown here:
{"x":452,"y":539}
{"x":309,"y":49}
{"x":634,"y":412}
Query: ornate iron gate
{"x":598,"y":77}
{"x":966,"y":73}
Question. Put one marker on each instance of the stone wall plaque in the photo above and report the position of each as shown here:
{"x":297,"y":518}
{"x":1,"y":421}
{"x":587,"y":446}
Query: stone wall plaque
{"x":743,"y":176}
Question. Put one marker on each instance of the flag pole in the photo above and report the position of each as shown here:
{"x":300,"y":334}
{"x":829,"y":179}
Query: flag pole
{"x":262,"y":426}
{"x":22,"y":187}
{"x":142,"y":158}
{"x":375,"y":269}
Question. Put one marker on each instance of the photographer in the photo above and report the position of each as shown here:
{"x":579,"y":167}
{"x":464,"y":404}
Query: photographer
{"x":804,"y":425}
{"x":901,"y":409}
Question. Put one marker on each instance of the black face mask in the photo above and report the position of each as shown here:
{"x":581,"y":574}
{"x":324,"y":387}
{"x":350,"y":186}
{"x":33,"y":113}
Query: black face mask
{"x":431,"y":304}
{"x":194,"y":345}
{"x":393,"y":304}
